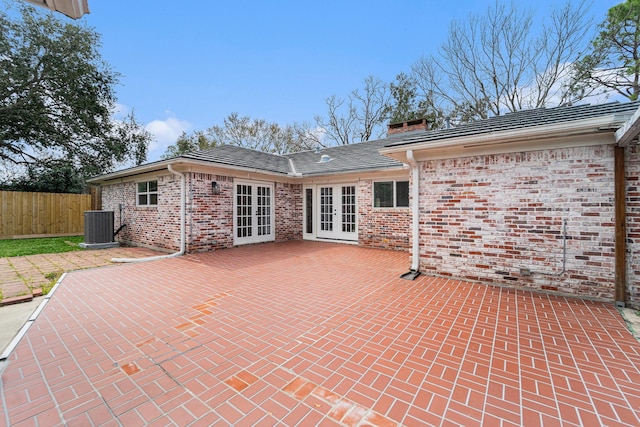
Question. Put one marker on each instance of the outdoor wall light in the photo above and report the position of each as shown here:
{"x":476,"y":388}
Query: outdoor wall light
{"x":215,"y":188}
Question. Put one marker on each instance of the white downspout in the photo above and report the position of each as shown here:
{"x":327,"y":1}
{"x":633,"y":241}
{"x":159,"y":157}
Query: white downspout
{"x":183,"y":214}
{"x":415,"y":212}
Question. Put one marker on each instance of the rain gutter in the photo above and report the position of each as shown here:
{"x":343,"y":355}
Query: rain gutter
{"x":510,"y":137}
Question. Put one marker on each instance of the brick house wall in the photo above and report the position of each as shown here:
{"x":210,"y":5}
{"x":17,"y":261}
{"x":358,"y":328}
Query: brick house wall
{"x":492,"y":218}
{"x":632,"y":162}
{"x":288,"y":211}
{"x":209,"y":217}
{"x":386,"y":228}
{"x":150,"y":226}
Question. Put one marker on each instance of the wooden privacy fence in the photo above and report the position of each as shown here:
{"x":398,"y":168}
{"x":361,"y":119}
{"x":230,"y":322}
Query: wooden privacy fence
{"x":24,"y":214}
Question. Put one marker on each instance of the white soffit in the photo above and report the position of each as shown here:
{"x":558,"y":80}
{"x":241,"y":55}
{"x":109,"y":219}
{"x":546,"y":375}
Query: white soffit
{"x":72,"y":8}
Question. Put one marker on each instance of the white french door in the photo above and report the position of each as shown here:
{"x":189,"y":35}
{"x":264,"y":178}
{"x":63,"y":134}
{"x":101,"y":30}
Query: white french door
{"x":336,"y":214}
{"x":253,"y":213}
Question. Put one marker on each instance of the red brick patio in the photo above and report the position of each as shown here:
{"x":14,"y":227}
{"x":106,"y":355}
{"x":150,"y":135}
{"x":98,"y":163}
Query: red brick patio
{"x":306,"y":333}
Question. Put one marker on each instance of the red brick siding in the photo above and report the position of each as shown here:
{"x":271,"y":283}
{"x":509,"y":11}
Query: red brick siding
{"x":157,"y":226}
{"x":209,"y":216}
{"x":288,"y":210}
{"x":485,"y":218}
{"x":632,"y":161}
{"x":381,"y":227}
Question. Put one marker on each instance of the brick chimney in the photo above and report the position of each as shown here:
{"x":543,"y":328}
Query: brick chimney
{"x":408,"y":126}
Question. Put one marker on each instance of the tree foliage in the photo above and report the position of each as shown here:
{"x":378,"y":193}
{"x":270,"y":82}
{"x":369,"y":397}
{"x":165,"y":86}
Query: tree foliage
{"x":612,"y":63}
{"x":186,"y":143}
{"x":406,"y":103}
{"x":57,"y":98}
{"x":502,"y":61}
{"x":358,"y":117}
{"x":243,"y":131}
{"x":56,"y":176}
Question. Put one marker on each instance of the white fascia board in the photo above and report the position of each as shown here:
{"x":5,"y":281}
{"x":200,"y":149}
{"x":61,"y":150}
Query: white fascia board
{"x":492,"y":141}
{"x":629,"y":130}
{"x":137,"y":170}
{"x":182,"y":165}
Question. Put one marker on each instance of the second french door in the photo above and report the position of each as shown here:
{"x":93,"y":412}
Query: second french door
{"x":336,"y":214}
{"x":254,"y":213}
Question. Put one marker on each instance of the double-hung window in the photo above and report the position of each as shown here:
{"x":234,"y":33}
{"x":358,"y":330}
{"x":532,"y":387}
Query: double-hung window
{"x":147,"y":193}
{"x":391,"y":194}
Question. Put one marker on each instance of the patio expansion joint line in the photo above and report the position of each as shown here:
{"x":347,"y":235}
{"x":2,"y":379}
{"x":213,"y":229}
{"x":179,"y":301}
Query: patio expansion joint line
{"x":544,"y":351}
{"x":586,"y":335}
{"x":46,"y":383}
{"x":355,"y":303}
{"x":421,"y":336}
{"x":153,"y":361}
{"x":484,"y":294}
{"x":424,"y":332}
{"x":577,"y":367}
{"x":84,"y":375}
{"x":493,"y":346}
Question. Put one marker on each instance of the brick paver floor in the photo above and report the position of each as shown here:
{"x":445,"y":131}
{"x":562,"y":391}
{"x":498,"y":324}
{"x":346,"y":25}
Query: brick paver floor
{"x":307,"y":333}
{"x":21,"y":275}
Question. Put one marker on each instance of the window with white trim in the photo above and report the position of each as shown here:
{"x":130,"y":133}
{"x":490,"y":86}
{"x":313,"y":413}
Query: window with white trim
{"x":147,"y":193}
{"x":391,"y":194}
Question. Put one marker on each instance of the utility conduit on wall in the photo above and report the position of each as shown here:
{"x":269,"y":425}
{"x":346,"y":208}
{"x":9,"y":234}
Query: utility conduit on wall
{"x":564,"y":256}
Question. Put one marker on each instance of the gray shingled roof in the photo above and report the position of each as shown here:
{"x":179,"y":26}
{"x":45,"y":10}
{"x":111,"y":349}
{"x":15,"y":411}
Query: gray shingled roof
{"x":344,"y":158}
{"x":524,"y":119}
{"x":242,"y":157}
{"x":365,"y":156}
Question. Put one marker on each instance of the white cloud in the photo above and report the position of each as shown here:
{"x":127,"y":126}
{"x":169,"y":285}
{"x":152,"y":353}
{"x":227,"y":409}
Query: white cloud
{"x":165,"y":133}
{"x":120,"y":110}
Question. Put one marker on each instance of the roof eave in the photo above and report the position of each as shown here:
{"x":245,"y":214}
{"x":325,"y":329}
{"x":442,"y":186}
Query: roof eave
{"x":136,"y":170}
{"x":607,"y":123}
{"x":629,"y":130}
{"x":178,"y":163}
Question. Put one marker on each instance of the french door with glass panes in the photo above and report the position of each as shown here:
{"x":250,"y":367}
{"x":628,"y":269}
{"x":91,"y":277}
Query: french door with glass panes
{"x":253,"y":213}
{"x":336,"y":215}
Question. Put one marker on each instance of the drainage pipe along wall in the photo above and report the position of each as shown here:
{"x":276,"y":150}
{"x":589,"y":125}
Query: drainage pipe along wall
{"x":415,"y":212}
{"x":183,"y":199}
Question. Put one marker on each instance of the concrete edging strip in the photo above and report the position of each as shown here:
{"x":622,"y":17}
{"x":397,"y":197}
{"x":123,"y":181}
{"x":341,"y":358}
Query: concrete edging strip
{"x":14,"y":342}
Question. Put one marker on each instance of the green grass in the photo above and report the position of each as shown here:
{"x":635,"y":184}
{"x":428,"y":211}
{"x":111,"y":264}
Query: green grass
{"x":47,"y":245}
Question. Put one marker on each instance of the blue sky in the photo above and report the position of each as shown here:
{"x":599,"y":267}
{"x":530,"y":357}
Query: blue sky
{"x":186,"y":65}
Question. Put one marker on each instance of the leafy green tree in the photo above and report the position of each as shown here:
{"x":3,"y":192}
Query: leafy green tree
{"x":48,"y":177}
{"x":406,"y":103}
{"x":57,"y":98}
{"x":612,"y":63}
{"x":189,"y":142}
